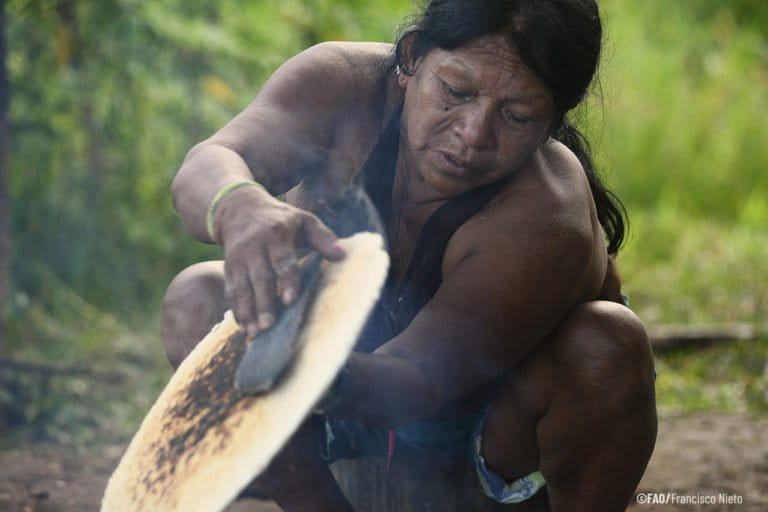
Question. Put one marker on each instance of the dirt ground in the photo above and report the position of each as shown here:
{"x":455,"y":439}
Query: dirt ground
{"x":697,"y":457}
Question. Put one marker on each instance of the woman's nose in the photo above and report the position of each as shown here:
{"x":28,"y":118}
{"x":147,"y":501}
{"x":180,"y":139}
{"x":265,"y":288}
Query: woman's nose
{"x":475,"y":125}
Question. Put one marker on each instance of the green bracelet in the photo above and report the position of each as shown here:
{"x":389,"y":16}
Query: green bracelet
{"x":223,"y":191}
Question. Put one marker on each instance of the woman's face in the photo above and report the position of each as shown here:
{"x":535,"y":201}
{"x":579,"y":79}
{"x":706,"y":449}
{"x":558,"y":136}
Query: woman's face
{"x":472,"y":115}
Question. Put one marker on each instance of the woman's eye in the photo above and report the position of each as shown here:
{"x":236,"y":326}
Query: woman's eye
{"x":513,"y":118}
{"x":457,"y":93}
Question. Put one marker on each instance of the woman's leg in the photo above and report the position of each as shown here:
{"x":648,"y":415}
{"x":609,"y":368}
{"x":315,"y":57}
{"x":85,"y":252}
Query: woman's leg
{"x":297,"y":479}
{"x":193,"y":304}
{"x":581,"y":410}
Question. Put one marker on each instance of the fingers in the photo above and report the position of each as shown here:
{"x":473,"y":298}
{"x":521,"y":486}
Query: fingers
{"x":263,"y":281}
{"x":239,"y":292}
{"x":251,"y":293}
{"x":322,"y":239}
{"x":286,"y":271}
{"x":262,"y":269}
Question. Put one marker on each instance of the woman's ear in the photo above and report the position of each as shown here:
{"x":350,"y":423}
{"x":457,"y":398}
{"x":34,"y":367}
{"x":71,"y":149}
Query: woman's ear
{"x":407,"y":56}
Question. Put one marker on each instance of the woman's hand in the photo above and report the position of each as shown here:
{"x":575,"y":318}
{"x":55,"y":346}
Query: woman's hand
{"x":261,"y":236}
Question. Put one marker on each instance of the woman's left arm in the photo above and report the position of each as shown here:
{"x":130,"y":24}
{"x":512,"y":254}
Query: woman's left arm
{"x":513,"y":284}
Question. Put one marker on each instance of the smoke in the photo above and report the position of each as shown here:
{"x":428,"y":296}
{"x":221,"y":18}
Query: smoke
{"x":351,"y":212}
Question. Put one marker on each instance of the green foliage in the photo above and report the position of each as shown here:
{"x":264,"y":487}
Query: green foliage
{"x":685,"y":88}
{"x":680,"y":269}
{"x":108,"y":96}
{"x":730,"y":378}
{"x":111,"y":374}
{"x":681,"y":138}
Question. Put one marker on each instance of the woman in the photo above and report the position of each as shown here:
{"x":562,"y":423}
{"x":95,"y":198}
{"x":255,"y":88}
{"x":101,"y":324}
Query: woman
{"x":503,"y":309}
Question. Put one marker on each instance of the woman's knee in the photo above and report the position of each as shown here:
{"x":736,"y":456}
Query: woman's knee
{"x":604,"y":346}
{"x":600,"y":350}
{"x":193,"y":303}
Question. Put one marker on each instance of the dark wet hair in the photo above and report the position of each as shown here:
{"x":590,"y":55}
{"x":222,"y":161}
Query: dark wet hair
{"x":560,"y":40}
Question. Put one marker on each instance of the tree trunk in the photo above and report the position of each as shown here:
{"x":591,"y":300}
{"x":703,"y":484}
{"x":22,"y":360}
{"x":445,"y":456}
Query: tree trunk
{"x":5,"y":205}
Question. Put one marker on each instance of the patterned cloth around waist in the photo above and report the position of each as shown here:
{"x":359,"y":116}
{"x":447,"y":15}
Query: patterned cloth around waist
{"x":347,"y":439}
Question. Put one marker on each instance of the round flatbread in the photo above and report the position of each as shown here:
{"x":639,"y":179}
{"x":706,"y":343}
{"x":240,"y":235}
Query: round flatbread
{"x":202,"y":441}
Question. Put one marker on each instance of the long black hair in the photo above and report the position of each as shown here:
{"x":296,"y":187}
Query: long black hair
{"x":561,"y":41}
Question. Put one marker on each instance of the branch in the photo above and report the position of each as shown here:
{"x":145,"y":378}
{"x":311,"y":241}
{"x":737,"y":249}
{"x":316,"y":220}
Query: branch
{"x":669,"y":337}
{"x":47,"y":370}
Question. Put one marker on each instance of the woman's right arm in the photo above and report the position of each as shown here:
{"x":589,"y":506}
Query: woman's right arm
{"x":286,"y":132}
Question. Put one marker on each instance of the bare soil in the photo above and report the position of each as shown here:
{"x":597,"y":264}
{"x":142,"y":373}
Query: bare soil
{"x":700,"y":456}
{"x":708,"y":455}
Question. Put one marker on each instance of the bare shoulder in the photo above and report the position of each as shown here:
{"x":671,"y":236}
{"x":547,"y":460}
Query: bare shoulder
{"x":311,"y":120}
{"x":347,"y":54}
{"x":338,"y":73}
{"x":555,"y":179}
{"x":511,"y":273}
{"x":353,"y":56}
{"x":546,"y":208}
{"x":327,"y":80}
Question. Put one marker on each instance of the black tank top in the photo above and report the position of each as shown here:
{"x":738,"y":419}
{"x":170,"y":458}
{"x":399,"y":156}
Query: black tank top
{"x":400,"y":302}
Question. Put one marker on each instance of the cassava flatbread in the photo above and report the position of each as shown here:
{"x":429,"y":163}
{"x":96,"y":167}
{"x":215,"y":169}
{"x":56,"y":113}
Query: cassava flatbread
{"x":202,"y":442}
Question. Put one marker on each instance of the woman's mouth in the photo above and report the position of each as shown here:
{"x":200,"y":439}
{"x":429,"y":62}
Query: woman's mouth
{"x":453,"y":164}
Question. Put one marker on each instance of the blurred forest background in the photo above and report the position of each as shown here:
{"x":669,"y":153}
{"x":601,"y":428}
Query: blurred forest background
{"x":104,"y":99}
